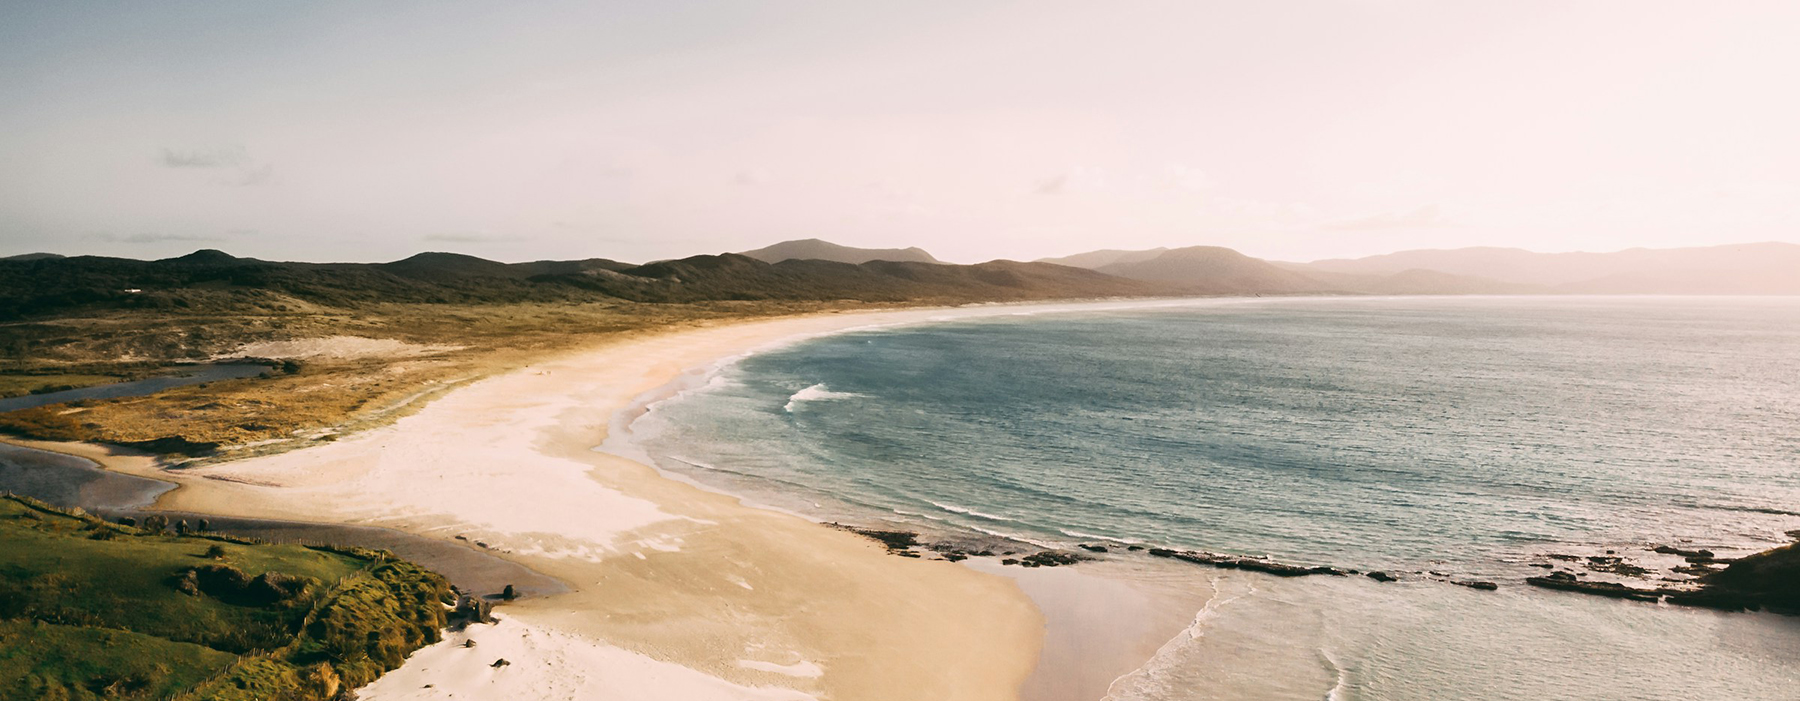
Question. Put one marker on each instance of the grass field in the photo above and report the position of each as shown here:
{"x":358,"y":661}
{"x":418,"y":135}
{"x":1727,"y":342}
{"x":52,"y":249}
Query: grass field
{"x":90,"y":609}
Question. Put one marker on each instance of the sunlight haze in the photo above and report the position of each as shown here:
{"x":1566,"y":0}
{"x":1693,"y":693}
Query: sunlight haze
{"x":639,"y":131}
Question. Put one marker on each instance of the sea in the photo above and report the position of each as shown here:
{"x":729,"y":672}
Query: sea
{"x":1438,"y":440}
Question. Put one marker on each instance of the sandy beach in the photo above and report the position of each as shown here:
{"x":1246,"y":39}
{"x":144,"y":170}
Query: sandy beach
{"x":676,"y":592}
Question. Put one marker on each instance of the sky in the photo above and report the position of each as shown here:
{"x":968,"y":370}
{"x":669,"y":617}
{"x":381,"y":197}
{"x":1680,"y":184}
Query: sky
{"x":355,"y":131}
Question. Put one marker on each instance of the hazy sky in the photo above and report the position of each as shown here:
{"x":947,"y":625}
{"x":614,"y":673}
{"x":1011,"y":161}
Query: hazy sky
{"x":364,"y":131}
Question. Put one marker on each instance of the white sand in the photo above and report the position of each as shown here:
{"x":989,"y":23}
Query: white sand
{"x":336,"y":348}
{"x":671,"y":584}
{"x":548,"y":664}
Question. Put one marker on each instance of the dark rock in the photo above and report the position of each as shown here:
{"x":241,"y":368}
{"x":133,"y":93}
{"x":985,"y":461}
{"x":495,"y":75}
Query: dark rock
{"x":1564,"y":558}
{"x":1475,"y":584}
{"x":1380,"y":576}
{"x":1769,"y":579}
{"x":1614,"y":565}
{"x":1672,"y":550}
{"x":499,"y":663}
{"x":469,"y":610}
{"x":1051,"y":558}
{"x":1135,"y":548}
{"x":509,"y":593}
{"x":1695,"y":570}
{"x":955,"y":557}
{"x":1010,"y":561}
{"x":469,"y":643}
{"x":1093,"y":548}
{"x":1565,"y":581}
{"x":894,"y":540}
{"x":1162,"y":552}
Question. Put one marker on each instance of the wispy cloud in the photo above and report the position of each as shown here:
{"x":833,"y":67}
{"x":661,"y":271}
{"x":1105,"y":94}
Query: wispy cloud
{"x":471,"y":237}
{"x":233,"y":163}
{"x":226,"y":157}
{"x":150,"y":237}
{"x":1425,"y":216}
{"x":1077,"y":179}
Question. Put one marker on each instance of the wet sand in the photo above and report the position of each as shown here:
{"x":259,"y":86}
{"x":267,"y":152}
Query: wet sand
{"x":666,"y":580}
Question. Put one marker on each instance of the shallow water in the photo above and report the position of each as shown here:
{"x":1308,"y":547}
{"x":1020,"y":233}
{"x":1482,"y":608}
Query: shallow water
{"x":190,"y":375}
{"x":1465,"y":436}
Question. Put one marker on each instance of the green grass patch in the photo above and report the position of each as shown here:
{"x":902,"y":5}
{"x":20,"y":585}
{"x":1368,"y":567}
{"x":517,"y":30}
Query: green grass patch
{"x":47,"y":661}
{"x":137,"y":614}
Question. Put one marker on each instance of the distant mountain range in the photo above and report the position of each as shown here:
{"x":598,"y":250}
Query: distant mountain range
{"x":815,"y":249}
{"x":210,"y":280}
{"x":1759,"y":268}
{"x":1752,"y":268}
{"x":43,"y":284}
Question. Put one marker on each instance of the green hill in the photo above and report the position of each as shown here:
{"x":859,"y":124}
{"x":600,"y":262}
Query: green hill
{"x":91,"y":609}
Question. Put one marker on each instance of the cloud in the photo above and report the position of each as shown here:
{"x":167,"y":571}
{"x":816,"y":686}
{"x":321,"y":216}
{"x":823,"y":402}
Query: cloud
{"x":1186,"y":178}
{"x":156,"y":238}
{"x":1426,"y":216}
{"x":234,"y":163}
{"x":1078,"y":179}
{"x":471,"y":237}
{"x":750,"y":177}
{"x":226,"y":157}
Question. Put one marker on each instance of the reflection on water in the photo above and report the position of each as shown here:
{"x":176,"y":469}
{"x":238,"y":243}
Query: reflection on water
{"x":186,"y":376}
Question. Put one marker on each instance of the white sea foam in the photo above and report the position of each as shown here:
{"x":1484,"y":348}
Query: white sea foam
{"x":1150,"y":679}
{"x":964,"y":510}
{"x":815,"y":393}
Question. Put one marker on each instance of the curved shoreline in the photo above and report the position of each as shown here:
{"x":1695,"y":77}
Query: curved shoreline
{"x":654,"y":564}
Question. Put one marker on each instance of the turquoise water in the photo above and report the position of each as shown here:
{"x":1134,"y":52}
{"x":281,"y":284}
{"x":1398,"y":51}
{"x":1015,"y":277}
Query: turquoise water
{"x":1469,"y":437}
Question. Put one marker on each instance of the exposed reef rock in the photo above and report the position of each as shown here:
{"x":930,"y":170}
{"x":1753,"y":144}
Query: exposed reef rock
{"x":1767,"y":580}
{"x":1567,"y":581}
{"x":1235,"y":562}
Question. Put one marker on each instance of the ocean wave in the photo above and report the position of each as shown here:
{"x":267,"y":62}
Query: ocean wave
{"x":816,"y":393}
{"x":963,"y":510}
{"x":1016,"y":538}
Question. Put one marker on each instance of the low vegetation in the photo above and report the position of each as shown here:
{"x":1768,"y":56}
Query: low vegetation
{"x":91,"y":610}
{"x":109,"y":317}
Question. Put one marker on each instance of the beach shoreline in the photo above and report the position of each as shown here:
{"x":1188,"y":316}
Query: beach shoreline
{"x":668,"y":581}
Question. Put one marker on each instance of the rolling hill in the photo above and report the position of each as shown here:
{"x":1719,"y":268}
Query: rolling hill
{"x":815,"y":249}
{"x":1754,"y":268}
{"x":1214,"y":270}
{"x":213,"y":280}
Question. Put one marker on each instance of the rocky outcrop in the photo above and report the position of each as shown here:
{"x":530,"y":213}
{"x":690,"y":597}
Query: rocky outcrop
{"x":1236,"y":562}
{"x":1767,"y":580}
{"x":1565,"y":581}
{"x":469,"y":610}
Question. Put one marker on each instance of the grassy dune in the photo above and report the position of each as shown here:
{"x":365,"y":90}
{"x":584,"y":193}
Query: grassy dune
{"x":323,"y":396}
{"x":90,"y":609}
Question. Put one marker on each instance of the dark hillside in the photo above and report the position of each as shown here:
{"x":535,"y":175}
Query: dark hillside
{"x":207,"y":281}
